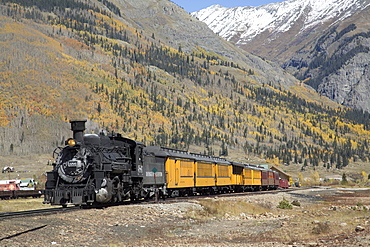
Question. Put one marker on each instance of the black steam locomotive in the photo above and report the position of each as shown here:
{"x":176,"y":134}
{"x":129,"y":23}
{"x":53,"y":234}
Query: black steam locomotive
{"x":98,"y":169}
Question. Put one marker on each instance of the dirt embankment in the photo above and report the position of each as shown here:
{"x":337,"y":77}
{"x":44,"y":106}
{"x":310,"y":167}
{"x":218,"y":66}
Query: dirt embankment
{"x":321,"y":217}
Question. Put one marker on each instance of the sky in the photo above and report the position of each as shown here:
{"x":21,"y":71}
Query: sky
{"x":195,"y":5}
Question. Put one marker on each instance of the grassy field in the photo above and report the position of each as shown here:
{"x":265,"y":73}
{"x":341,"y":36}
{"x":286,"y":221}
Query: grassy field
{"x":32,"y":166}
{"x":22,"y":204}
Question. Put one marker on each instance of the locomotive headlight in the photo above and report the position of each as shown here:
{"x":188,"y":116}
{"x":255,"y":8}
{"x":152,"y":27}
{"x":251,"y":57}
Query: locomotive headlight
{"x":71,"y":142}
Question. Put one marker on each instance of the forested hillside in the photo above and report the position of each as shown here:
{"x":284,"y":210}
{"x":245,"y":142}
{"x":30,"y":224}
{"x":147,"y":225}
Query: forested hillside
{"x":63,"y":60}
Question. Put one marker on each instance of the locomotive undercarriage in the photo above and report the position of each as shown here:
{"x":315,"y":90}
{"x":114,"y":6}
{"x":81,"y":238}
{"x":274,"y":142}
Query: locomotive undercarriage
{"x":102,"y":189}
{"x":212,"y":190}
{"x":73,"y":195}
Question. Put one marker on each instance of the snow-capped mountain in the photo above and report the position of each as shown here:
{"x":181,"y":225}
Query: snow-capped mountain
{"x":246,"y":23}
{"x":325,"y":43}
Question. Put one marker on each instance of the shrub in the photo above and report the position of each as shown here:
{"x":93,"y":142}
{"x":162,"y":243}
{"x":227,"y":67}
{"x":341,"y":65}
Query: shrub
{"x":284,"y":204}
{"x":344,"y":179}
{"x":296,"y":203}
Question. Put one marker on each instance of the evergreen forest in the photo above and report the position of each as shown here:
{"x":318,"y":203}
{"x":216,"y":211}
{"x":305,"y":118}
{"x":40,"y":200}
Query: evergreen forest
{"x":69,"y":59}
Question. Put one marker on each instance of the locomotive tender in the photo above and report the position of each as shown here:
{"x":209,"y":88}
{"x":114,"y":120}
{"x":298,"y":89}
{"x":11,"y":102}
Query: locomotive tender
{"x":97,"y":169}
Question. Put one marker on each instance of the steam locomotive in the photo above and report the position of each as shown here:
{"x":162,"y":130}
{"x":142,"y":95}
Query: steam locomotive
{"x":98,"y":169}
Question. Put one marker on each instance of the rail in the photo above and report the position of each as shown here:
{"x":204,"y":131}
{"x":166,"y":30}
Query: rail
{"x":7,"y":215}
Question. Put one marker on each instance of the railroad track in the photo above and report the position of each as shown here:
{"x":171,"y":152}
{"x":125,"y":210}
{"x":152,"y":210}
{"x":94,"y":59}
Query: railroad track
{"x":45,"y":211}
{"x":250,"y":193}
{"x":57,"y":210}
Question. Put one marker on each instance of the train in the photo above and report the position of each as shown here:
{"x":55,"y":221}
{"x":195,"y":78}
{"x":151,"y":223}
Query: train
{"x":13,"y":189}
{"x":97,"y":169}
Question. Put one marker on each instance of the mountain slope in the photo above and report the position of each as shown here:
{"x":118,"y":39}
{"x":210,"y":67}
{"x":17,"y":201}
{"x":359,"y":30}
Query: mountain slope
{"x":109,"y":63}
{"x":336,"y":63}
{"x":291,"y":33}
{"x":176,"y":28}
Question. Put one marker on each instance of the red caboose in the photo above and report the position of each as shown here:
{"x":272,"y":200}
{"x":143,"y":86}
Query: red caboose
{"x":283,"y":183}
{"x":9,"y":185}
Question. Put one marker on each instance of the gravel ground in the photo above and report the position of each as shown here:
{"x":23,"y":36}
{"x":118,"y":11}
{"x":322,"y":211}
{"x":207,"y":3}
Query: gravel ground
{"x":326,"y":217}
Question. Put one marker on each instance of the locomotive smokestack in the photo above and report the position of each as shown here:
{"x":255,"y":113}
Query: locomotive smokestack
{"x":78,"y":128}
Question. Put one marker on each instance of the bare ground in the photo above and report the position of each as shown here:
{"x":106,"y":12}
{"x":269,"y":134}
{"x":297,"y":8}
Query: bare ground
{"x":325,"y":217}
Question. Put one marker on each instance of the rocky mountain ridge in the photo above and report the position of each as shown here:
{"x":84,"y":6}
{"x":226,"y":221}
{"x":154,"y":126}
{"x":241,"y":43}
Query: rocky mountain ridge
{"x":292,"y":34}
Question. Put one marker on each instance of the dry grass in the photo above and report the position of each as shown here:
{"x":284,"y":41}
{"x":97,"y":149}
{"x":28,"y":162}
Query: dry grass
{"x":315,"y":221}
{"x":31,"y":166}
{"x":219,"y":208}
{"x":22,"y":204}
{"x":308,"y":223}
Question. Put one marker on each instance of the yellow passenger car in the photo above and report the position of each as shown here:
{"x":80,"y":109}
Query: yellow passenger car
{"x":205,"y":174}
{"x":179,"y":172}
{"x":223,"y":173}
{"x":252,"y":177}
{"x":257,"y":177}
